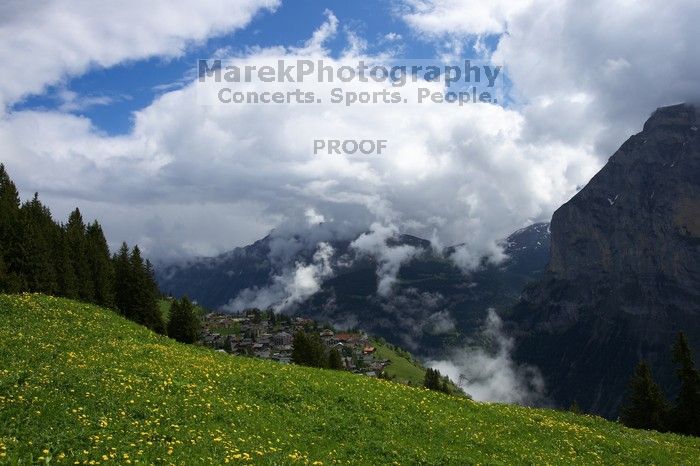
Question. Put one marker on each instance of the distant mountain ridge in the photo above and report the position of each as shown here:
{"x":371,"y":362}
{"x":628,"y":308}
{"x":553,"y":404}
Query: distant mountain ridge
{"x":624,"y":274}
{"x":433,"y":304}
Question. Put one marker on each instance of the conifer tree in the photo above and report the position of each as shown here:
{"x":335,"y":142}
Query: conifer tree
{"x":308,"y":350}
{"x":151,"y":275}
{"x":67,"y":281}
{"x":38,"y":232}
{"x":123,"y":278}
{"x":686,"y":413}
{"x":183,"y":324}
{"x":3,"y":274}
{"x":145,"y":300}
{"x":77,"y":244}
{"x":445,"y":386}
{"x":100,"y":265}
{"x":175,"y":321}
{"x":300,"y":349}
{"x":335,"y":361}
{"x":434,"y":381}
{"x":431,"y":379}
{"x":318,"y":355}
{"x":645,"y":407}
{"x":575,"y":408}
{"x":11,"y":239}
{"x":139,"y":284}
{"x":159,"y":323}
{"x":9,"y":207}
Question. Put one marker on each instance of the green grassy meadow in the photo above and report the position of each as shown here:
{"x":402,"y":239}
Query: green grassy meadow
{"x":81,"y":385}
{"x":402,"y":369}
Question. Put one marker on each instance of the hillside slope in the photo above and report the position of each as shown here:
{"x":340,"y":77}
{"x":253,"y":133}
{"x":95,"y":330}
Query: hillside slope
{"x":81,"y":384}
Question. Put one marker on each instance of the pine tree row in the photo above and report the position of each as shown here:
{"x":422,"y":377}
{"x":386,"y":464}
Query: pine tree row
{"x":646,"y":407}
{"x":71,"y":260}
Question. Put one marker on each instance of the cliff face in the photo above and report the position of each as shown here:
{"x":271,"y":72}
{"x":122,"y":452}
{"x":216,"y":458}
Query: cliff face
{"x":624,"y":271}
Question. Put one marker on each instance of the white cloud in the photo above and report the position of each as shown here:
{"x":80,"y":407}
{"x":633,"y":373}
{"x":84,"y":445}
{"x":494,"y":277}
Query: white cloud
{"x":389,"y":258}
{"x":456,"y":174}
{"x":460,"y":174}
{"x":317,"y":42}
{"x":589,"y":73}
{"x":469,"y":258}
{"x":313,"y":217}
{"x":460,"y":17}
{"x":70,"y":101}
{"x":439,"y":323}
{"x":413,"y":314}
{"x":492,"y":375}
{"x":583,"y":73}
{"x":45,"y":41}
{"x":291,"y":287}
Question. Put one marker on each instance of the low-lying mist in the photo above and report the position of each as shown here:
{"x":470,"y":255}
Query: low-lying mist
{"x":487,"y":372}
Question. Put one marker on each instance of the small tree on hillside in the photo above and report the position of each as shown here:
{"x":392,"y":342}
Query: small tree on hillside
{"x":686,"y":413}
{"x":67,"y":281}
{"x":308,"y":350}
{"x":11,"y":240}
{"x":77,"y":244}
{"x":145,"y":297}
{"x":335,"y":361}
{"x":123,"y":290}
{"x":434,"y":381}
{"x":575,"y":408}
{"x":318,"y":351}
{"x":100,"y":265}
{"x":3,"y":274}
{"x":37,"y":230}
{"x":183,"y":324}
{"x":300,"y":349}
{"x":136,"y":294}
{"x":645,"y":407}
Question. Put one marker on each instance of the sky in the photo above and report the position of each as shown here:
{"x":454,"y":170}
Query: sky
{"x":99,"y":109}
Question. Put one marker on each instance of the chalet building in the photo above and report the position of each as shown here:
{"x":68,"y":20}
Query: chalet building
{"x":255,"y":331}
{"x":282,"y":339}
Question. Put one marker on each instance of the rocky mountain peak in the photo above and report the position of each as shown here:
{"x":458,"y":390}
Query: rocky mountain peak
{"x":624,"y":270}
{"x":682,"y":116}
{"x":639,"y":213}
